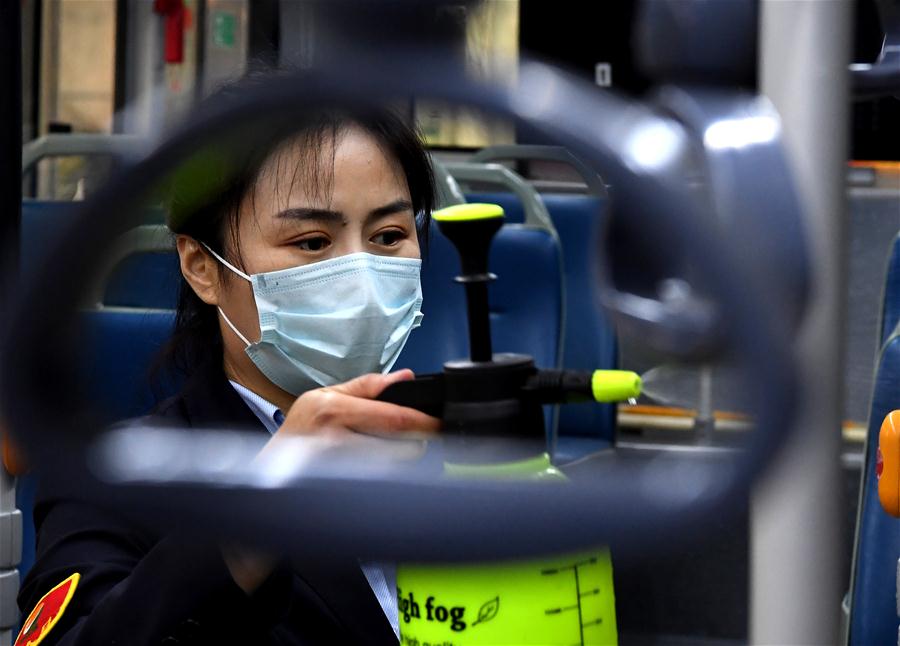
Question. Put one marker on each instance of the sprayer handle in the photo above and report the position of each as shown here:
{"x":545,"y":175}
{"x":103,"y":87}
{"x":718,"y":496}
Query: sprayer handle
{"x":471,"y":228}
{"x":424,"y":393}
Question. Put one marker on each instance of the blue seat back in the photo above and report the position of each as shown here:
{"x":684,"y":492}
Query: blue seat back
{"x":119,"y":348}
{"x":146,"y":280}
{"x":513,"y":209}
{"x":524,"y":302}
{"x":890,"y":304}
{"x":873,"y":613}
{"x":589,"y":338}
{"x":42,"y":225}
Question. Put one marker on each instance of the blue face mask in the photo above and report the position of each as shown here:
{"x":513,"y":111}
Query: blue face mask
{"x":333,"y":320}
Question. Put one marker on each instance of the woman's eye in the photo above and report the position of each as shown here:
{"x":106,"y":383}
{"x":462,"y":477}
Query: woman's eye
{"x":313,"y":244}
{"x":389,"y":238}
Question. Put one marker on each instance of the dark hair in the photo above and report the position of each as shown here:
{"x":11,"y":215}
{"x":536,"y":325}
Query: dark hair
{"x":228,"y":174}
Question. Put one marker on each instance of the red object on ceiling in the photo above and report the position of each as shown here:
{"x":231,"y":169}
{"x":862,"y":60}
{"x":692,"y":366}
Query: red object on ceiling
{"x":176,"y":18}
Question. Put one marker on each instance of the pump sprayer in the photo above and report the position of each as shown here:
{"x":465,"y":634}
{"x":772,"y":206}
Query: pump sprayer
{"x":560,"y":599}
{"x":496,"y":395}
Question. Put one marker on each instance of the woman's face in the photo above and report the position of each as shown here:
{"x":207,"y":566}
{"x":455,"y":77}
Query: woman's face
{"x":294,"y":217}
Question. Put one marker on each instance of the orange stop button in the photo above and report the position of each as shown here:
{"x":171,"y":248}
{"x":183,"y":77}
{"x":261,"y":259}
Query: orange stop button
{"x":887,"y":464}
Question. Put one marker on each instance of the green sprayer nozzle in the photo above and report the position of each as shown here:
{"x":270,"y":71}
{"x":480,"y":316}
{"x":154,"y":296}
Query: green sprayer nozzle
{"x":615,"y":385}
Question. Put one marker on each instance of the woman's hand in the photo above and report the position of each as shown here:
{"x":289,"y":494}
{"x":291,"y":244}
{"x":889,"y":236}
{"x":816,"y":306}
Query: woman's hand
{"x":335,"y":421}
{"x":345,"y":415}
{"x":351,"y":406}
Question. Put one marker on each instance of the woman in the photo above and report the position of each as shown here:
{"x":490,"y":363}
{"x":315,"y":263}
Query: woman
{"x":300,"y":287}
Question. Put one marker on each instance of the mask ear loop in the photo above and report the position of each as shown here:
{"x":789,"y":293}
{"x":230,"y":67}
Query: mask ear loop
{"x":233,"y":328}
{"x":227,"y":264}
{"x":242,"y":275}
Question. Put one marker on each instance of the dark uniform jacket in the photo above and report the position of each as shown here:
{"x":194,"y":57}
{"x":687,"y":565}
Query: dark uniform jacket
{"x":138,"y":587}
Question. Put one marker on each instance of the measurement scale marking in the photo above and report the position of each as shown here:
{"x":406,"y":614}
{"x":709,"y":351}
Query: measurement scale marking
{"x":557,"y":570}
{"x":578,"y":595}
{"x":556,"y":611}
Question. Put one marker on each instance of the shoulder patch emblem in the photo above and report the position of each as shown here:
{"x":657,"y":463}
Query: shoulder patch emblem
{"x":47,"y":612}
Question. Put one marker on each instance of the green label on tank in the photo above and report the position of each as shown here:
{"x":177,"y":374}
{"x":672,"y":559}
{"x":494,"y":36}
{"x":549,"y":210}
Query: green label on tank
{"x":559,"y":600}
{"x":224,"y":27}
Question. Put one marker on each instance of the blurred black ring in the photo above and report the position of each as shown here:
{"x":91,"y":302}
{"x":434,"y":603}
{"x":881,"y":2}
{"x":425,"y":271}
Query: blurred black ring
{"x":627,"y":506}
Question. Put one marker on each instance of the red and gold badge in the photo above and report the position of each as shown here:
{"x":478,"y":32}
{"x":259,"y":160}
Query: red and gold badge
{"x":47,"y":612}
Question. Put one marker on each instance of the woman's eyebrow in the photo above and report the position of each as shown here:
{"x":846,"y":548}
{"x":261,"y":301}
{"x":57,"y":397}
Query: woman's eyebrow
{"x":319,"y":215}
{"x":326,"y":215}
{"x":397,"y":206}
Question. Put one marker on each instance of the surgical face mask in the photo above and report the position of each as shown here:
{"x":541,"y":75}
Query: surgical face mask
{"x":333,"y":320}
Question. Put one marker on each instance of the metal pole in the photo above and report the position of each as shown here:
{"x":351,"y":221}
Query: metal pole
{"x":705,"y":423}
{"x":796,"y":550}
{"x":10,"y":140}
{"x":10,"y":223}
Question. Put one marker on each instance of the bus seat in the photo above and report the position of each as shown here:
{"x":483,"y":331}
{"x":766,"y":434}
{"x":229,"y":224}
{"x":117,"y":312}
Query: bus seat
{"x":532,"y":209}
{"x":524,"y":302}
{"x":145,"y":280}
{"x":144,"y":274}
{"x":122,"y":389}
{"x":41,"y":226}
{"x":447,"y":190}
{"x":589,"y":339}
{"x":890,"y":303}
{"x":119,"y":347}
{"x":873,"y":607}
{"x":513,"y":211}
